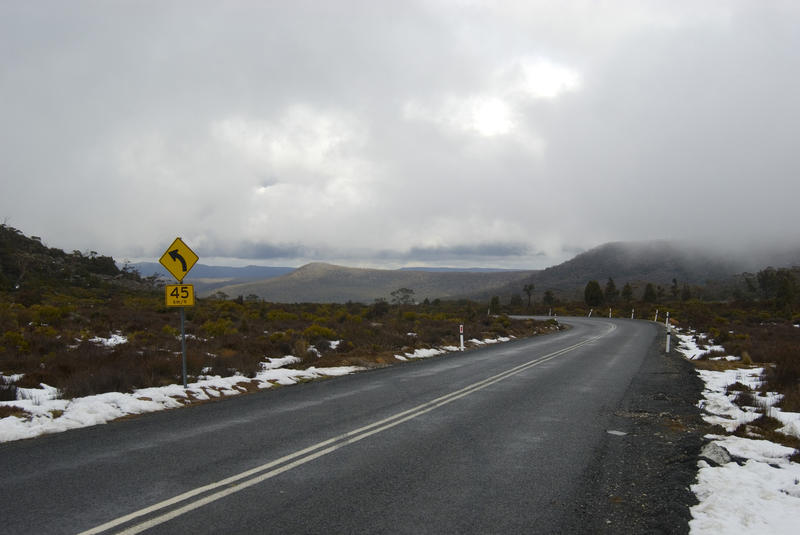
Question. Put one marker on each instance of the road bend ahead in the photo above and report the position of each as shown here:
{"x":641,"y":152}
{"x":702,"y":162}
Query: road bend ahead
{"x":496,"y":440}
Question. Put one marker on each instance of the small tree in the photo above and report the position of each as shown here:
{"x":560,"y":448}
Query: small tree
{"x":686,"y":293}
{"x":674,"y":289}
{"x":403,"y":296}
{"x":627,"y":292}
{"x":549,"y":299}
{"x":528,"y":289}
{"x":650,"y":295}
{"x":768,"y":282}
{"x":379,"y":308}
{"x":611,"y":292}
{"x":494,"y":304}
{"x":593,"y":294}
{"x":786,"y":290}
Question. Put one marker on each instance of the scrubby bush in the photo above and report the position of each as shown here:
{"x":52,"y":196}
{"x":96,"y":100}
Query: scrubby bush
{"x":280,"y":315}
{"x":315,"y":331}
{"x":219,"y":328}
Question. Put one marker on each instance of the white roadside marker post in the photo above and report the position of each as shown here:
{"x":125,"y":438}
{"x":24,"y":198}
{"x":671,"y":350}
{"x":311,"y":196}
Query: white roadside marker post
{"x":461,"y":336}
{"x":609,"y":312}
{"x":656,"y":318}
{"x":669,"y":329}
{"x":590,"y":312}
{"x":632,"y":311}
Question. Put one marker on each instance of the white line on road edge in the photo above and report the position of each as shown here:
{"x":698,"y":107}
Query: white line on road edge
{"x":266,"y":471}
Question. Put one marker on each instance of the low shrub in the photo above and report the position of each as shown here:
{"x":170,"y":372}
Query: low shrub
{"x":318,"y":331}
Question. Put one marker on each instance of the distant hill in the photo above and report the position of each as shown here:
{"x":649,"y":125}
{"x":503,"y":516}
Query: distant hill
{"x":207,"y":278}
{"x":202,"y":271}
{"x":658,"y":262}
{"x":655,"y":261}
{"x":27,"y":265}
{"x":450,"y":269}
{"x":319,"y":283}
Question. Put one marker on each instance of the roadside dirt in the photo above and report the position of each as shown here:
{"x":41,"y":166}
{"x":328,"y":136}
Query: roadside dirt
{"x":641,"y":476}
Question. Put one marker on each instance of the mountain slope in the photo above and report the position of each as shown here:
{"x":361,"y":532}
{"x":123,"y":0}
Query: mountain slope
{"x":658,"y":262}
{"x":206,"y":279}
{"x":319,"y":282}
{"x":655,"y":261}
{"x":202,"y":271}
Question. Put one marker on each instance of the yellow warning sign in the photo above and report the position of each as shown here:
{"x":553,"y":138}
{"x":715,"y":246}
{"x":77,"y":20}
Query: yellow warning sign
{"x":178,"y":259}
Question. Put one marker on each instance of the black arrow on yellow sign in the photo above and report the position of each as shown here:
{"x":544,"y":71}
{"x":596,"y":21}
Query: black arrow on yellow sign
{"x":178,"y":259}
{"x":175,"y":255}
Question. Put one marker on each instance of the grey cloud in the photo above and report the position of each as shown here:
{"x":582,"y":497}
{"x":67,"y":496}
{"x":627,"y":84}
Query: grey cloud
{"x":684,"y":125}
{"x":258,"y":251}
{"x":457,"y":252}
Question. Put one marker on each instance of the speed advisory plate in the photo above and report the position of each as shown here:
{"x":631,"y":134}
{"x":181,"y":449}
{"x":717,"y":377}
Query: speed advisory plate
{"x":179,"y":295}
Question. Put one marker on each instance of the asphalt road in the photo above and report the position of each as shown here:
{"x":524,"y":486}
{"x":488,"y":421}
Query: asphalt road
{"x":495,"y":440}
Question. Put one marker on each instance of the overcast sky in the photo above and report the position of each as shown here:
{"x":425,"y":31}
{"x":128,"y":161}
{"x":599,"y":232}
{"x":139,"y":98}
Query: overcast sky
{"x":392,"y":133}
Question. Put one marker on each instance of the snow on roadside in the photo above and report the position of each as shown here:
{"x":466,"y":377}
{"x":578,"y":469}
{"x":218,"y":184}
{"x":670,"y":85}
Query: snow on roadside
{"x":421,"y":354}
{"x":761,"y":495}
{"x":432,"y":352}
{"x":48,"y":414}
{"x":756,"y":497}
{"x":718,"y":405}
{"x":690,"y":348}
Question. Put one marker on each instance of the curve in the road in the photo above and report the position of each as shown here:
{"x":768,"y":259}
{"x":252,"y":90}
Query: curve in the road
{"x":206,"y":494}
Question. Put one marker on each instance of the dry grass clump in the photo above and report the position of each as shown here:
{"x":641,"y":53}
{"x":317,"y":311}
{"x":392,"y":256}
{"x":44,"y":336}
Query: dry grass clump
{"x":10,"y":410}
{"x":717,"y":365}
{"x":713,"y":354}
{"x":791,"y":399}
{"x":766,"y":428}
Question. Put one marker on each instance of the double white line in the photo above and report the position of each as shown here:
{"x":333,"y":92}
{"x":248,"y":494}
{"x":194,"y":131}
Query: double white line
{"x":254,"y":476}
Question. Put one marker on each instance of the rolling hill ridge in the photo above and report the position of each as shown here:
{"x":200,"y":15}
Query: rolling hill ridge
{"x":658,"y":262}
{"x":320,"y":282}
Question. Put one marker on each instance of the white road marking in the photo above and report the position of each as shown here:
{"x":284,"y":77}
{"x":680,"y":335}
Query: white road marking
{"x":300,"y":457}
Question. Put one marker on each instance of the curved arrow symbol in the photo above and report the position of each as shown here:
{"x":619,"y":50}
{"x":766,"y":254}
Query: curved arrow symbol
{"x":175,"y":255}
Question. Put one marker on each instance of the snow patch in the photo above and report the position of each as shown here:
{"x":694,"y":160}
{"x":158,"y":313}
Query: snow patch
{"x":112,"y":341}
{"x":763,"y":494}
{"x":689,"y":347}
{"x":48,"y":414}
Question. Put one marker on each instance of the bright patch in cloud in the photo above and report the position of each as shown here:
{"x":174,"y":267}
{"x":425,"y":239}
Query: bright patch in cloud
{"x":485,"y":116}
{"x":540,"y":78}
{"x":490,"y":117}
{"x":297,"y":167}
{"x":301,"y":137}
{"x":491,"y":113}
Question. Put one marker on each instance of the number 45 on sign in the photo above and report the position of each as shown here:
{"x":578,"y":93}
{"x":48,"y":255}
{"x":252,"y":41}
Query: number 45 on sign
{"x":179,"y":295}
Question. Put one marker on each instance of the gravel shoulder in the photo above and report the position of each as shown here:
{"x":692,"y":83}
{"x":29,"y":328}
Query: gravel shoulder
{"x":640,"y":480}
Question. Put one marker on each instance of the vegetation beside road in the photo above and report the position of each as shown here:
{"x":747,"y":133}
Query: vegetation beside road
{"x":60,"y":311}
